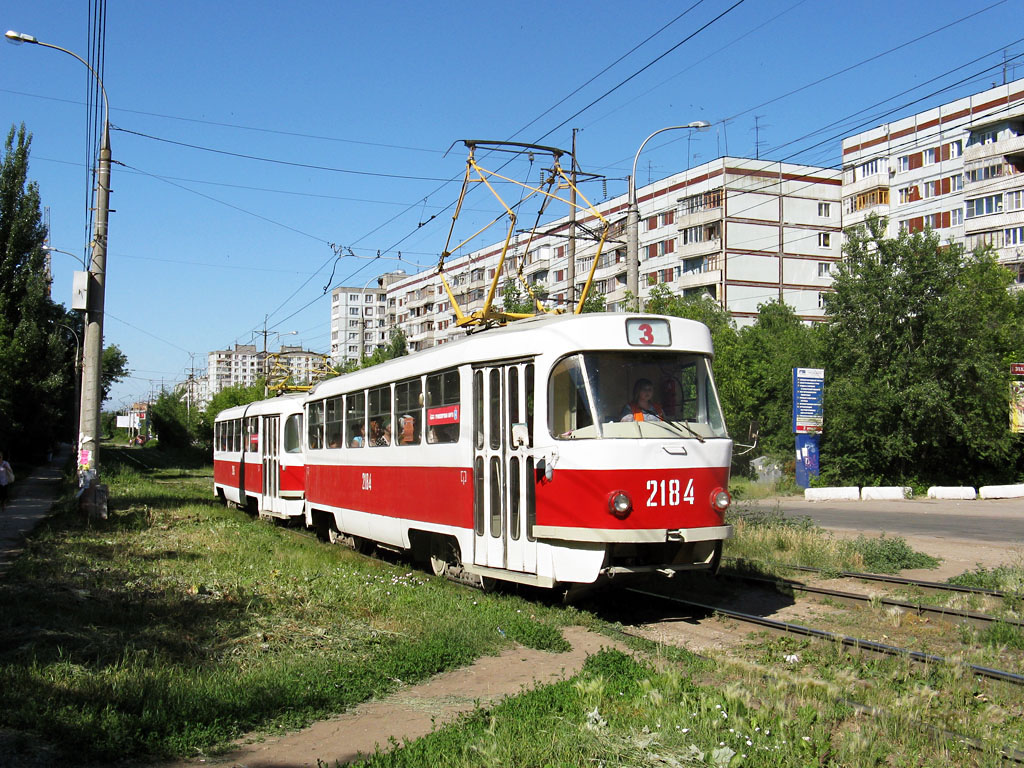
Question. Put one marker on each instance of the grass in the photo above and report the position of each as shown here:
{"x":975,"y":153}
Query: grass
{"x":179,"y":625}
{"x":767,"y":535}
{"x":765,"y":711}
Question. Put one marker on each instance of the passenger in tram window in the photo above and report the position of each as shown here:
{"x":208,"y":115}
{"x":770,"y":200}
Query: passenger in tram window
{"x":375,"y":432}
{"x":385,"y":437}
{"x":357,"y":437}
{"x":334,"y":437}
{"x":642,"y":407}
{"x":407,"y":427}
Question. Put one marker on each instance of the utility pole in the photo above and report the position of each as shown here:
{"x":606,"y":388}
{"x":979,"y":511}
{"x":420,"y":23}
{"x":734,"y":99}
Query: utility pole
{"x":571,"y":271}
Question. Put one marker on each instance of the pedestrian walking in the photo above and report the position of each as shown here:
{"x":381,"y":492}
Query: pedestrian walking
{"x":6,"y":478}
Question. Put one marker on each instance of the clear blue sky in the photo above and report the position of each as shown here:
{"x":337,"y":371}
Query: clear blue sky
{"x":204,"y":245}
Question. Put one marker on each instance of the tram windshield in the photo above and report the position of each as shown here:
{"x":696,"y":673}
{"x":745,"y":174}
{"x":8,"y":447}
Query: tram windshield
{"x":634,"y":395}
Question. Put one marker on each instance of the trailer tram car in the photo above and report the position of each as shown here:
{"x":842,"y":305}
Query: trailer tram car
{"x":258,"y":458}
{"x":521,"y":453}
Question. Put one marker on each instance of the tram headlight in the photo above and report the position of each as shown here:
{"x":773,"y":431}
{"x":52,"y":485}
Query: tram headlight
{"x":620,"y":505}
{"x":721,"y":499}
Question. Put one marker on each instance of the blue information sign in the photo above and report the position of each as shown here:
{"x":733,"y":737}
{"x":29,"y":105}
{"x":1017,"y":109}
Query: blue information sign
{"x":808,"y":388}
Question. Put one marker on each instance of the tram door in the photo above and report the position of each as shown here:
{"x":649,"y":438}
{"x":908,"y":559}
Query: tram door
{"x":503,"y":469}
{"x":271,"y":467}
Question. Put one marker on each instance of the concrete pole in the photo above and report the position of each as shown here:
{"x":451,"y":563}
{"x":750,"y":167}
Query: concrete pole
{"x":92,"y":358}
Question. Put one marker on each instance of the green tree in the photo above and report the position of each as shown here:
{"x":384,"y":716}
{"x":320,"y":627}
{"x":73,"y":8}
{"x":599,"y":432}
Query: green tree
{"x":766,"y":354}
{"x":917,"y":360}
{"x":36,"y":354}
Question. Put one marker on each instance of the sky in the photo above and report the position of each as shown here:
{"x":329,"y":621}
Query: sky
{"x":254,"y":141}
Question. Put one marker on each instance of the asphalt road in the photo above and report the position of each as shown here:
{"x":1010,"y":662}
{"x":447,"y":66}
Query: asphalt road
{"x":997,"y":521}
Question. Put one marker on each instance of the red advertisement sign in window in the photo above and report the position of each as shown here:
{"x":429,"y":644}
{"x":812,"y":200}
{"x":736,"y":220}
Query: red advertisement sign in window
{"x":445,"y":414}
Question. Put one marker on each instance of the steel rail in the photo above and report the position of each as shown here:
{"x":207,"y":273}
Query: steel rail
{"x":852,"y":642}
{"x":960,"y":616}
{"x":933,"y":585}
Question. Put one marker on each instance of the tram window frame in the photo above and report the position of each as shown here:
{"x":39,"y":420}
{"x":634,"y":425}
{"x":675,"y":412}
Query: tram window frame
{"x":355,"y":418}
{"x":333,"y":415}
{"x":236,"y":428}
{"x":293,"y":433}
{"x":494,"y":408}
{"x":252,"y":429}
{"x":478,"y":409}
{"x":409,"y":405}
{"x":315,"y":425}
{"x":444,"y":389}
{"x":379,"y":408}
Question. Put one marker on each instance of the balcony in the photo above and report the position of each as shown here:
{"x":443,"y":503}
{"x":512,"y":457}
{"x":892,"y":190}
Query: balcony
{"x":704,"y":247}
{"x":1006,"y":147}
{"x":706,"y":216}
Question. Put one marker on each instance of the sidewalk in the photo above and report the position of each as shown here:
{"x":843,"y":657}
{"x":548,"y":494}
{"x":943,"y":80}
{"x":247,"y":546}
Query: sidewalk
{"x":30,"y":501}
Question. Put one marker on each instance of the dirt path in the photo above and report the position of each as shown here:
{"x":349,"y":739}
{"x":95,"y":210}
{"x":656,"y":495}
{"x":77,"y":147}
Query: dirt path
{"x":416,"y":710}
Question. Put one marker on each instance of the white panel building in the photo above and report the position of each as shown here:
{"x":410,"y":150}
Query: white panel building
{"x":364,"y":311}
{"x":245,"y":365}
{"x":956,"y":168}
{"x":742,"y":231}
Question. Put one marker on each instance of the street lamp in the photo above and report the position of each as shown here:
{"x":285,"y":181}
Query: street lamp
{"x":362,"y":317}
{"x":633,"y":215}
{"x":80,"y":259}
{"x":92,"y":359}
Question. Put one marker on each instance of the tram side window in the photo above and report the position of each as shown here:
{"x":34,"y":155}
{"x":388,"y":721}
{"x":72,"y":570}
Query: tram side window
{"x":444,"y":410}
{"x":236,"y":435}
{"x":315,"y":426}
{"x":252,"y":431}
{"x":332,"y":422}
{"x":567,"y":400}
{"x":379,"y":413}
{"x":293,"y":434}
{"x":409,"y":411}
{"x":355,"y":419}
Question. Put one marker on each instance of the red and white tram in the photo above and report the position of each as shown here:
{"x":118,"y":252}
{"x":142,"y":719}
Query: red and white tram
{"x":258,"y":458}
{"x":529,"y":453}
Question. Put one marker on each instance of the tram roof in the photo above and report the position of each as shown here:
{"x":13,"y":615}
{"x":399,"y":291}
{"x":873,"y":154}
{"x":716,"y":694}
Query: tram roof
{"x":530,"y":337}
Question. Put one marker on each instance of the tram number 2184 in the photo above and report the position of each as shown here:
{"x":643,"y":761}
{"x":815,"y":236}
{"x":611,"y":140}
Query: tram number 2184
{"x":665,"y":493}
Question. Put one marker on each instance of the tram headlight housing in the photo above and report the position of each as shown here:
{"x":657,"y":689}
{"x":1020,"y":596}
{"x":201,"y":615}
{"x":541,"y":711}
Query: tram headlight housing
{"x":620,"y":505}
{"x":721,"y":499}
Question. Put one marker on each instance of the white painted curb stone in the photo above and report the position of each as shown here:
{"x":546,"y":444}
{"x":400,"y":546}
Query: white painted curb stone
{"x":1001,"y":491}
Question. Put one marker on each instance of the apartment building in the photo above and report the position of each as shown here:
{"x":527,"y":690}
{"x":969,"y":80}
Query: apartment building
{"x":956,"y":169}
{"x":245,"y":365}
{"x":741,"y":231}
{"x":366,"y":312}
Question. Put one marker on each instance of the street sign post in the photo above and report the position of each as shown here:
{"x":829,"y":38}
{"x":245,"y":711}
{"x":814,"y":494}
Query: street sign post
{"x":808,"y":418}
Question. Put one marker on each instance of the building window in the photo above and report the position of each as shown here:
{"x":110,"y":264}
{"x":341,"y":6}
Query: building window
{"x":825,"y":210}
{"x":353,"y":297}
{"x":956,"y":217}
{"x":821,"y":300}
{"x":928,"y":156}
{"x":870,"y":168}
{"x":666,"y":218}
{"x":981,"y":206}
{"x":1014,"y":236}
{"x":353,"y":310}
{"x":824,"y":269}
{"x":1013,"y":201}
{"x":903,"y":164}
{"x":956,"y":148}
{"x":824,"y":239}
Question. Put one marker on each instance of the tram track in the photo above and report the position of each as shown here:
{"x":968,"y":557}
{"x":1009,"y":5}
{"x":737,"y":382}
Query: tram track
{"x":929,"y":586}
{"x":867,"y":710}
{"x":790,"y":628}
{"x":943,"y":613}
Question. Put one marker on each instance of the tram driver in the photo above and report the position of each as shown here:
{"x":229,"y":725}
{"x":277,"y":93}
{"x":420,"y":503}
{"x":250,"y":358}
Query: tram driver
{"x":642,"y":407}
